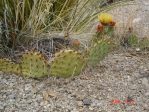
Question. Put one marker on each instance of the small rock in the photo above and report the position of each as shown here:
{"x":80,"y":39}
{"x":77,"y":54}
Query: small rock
{"x":91,"y":108}
{"x":145,"y":82}
{"x":147,"y":94}
{"x":81,"y":109}
{"x":1,"y":106}
{"x":12,"y":96}
{"x":45,"y":95}
{"x":79,"y":97}
{"x":133,"y":87}
{"x":136,"y":20}
{"x":79,"y":103}
{"x":51,"y":93}
{"x":146,"y":107}
{"x":87,"y":102}
{"x":139,"y":82}
{"x":137,"y":49}
{"x":28,"y":87}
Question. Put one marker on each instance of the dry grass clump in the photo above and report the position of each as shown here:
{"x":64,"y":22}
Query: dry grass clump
{"x":23,"y":20}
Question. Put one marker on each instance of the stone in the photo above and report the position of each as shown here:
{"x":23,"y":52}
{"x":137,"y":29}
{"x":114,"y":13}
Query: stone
{"x":147,"y":94}
{"x":133,"y":87}
{"x":146,"y":107}
{"x":51,"y":93}
{"x":45,"y":95}
{"x":91,"y":108}
{"x":87,"y":102}
{"x":145,"y":82}
{"x":1,"y":106}
{"x":79,"y":103}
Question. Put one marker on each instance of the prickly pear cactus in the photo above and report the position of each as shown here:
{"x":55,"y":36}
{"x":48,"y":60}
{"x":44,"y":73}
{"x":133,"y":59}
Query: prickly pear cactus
{"x":33,"y":64}
{"x":144,"y":44}
{"x":8,"y":66}
{"x":99,"y":50}
{"x":133,"y":40}
{"x":67,"y":63}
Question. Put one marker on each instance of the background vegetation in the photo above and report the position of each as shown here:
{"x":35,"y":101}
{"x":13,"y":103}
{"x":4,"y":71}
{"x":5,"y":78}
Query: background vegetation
{"x":22,"y":20}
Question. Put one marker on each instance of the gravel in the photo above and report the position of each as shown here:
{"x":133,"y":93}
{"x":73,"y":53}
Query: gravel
{"x":119,"y":76}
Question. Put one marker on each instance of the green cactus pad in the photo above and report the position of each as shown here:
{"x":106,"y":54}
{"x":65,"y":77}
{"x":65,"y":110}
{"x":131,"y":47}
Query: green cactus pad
{"x":133,"y":40}
{"x":144,"y":43}
{"x":67,"y":63}
{"x":99,"y":50}
{"x":9,"y":66}
{"x":33,"y":64}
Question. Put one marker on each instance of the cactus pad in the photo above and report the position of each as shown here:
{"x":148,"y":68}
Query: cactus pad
{"x":99,"y":50}
{"x":133,"y":40}
{"x":33,"y":64}
{"x":144,"y":44}
{"x":8,"y":66}
{"x":67,"y":63}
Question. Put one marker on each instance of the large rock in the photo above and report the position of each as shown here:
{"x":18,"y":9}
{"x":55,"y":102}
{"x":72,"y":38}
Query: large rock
{"x":134,"y":15}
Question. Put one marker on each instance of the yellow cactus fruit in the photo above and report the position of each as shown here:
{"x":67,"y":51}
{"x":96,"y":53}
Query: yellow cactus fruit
{"x":105,"y":18}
